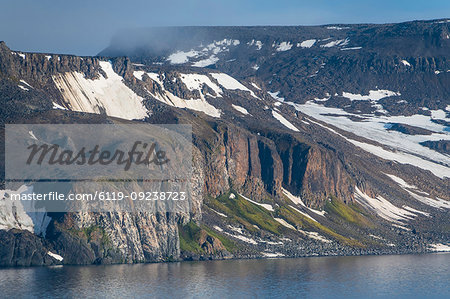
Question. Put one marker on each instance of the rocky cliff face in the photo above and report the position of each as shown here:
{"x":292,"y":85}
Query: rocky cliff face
{"x":294,"y":148}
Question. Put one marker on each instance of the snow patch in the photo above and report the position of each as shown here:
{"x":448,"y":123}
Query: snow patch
{"x":283,"y":46}
{"x":307,"y":43}
{"x":264,"y":205}
{"x":383,"y":208}
{"x":284,"y":223}
{"x":55,"y":256}
{"x":240,"y":109}
{"x":284,"y":121}
{"x":181,"y":56}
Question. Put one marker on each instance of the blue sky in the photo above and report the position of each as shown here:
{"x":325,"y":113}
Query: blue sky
{"x":85,"y":27}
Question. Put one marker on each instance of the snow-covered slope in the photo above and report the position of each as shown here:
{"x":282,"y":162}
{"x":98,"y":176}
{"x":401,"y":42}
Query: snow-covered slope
{"x":102,"y":95}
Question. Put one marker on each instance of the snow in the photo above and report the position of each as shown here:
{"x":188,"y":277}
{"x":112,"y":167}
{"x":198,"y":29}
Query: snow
{"x":232,"y":196}
{"x":283,"y":46}
{"x":265,"y":206}
{"x":406,"y":63}
{"x":220,"y":214}
{"x":181,"y":56}
{"x":240,"y":109}
{"x":374,"y":95}
{"x":298,"y":201}
{"x":303,"y":213}
{"x":316,"y":236}
{"x":14,"y":215}
{"x":242,"y":238}
{"x":413,"y":191}
{"x":295,"y":199}
{"x":108,"y":94}
{"x":255,"y":86}
{"x":55,"y":256}
{"x":32,"y":135}
{"x":21,"y":55}
{"x":206,"y":62}
{"x":284,"y":223}
{"x":383,"y":208}
{"x":439,"y":247}
{"x":218,"y":228}
{"x":339,"y":42}
{"x":255,"y":67}
{"x":275,"y":96}
{"x":48,"y":57}
{"x":196,"y":81}
{"x":351,"y":48}
{"x":258,"y":44}
{"x":400,"y":181}
{"x":337,"y":28}
{"x":24,"y":82}
{"x":56,"y":106}
{"x":408,"y":149}
{"x":230,"y":83}
{"x":272,"y":254}
{"x":307,"y":43}
{"x":192,"y":81}
{"x":23,"y":88}
{"x":284,"y":121}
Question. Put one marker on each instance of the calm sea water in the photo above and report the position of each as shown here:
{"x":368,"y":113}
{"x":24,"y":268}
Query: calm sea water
{"x":407,"y":276}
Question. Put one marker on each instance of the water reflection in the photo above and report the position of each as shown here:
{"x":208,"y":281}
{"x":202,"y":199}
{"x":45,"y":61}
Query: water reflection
{"x":413,"y":276}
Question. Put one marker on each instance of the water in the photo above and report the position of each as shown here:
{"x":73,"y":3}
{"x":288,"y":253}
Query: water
{"x":407,"y":276}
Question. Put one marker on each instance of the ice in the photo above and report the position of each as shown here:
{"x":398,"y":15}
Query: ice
{"x":240,"y":109}
{"x":181,"y":56}
{"x":307,"y":43}
{"x":105,"y":94}
{"x":284,"y":121}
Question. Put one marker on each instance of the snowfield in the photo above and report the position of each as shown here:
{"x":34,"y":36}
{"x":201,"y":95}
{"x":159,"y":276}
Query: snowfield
{"x":406,"y":148}
{"x":103,"y":95}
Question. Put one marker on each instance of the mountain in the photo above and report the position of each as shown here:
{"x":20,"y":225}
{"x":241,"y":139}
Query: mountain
{"x":323,"y":140}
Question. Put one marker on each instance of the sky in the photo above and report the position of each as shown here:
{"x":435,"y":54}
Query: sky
{"x":85,"y":27}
